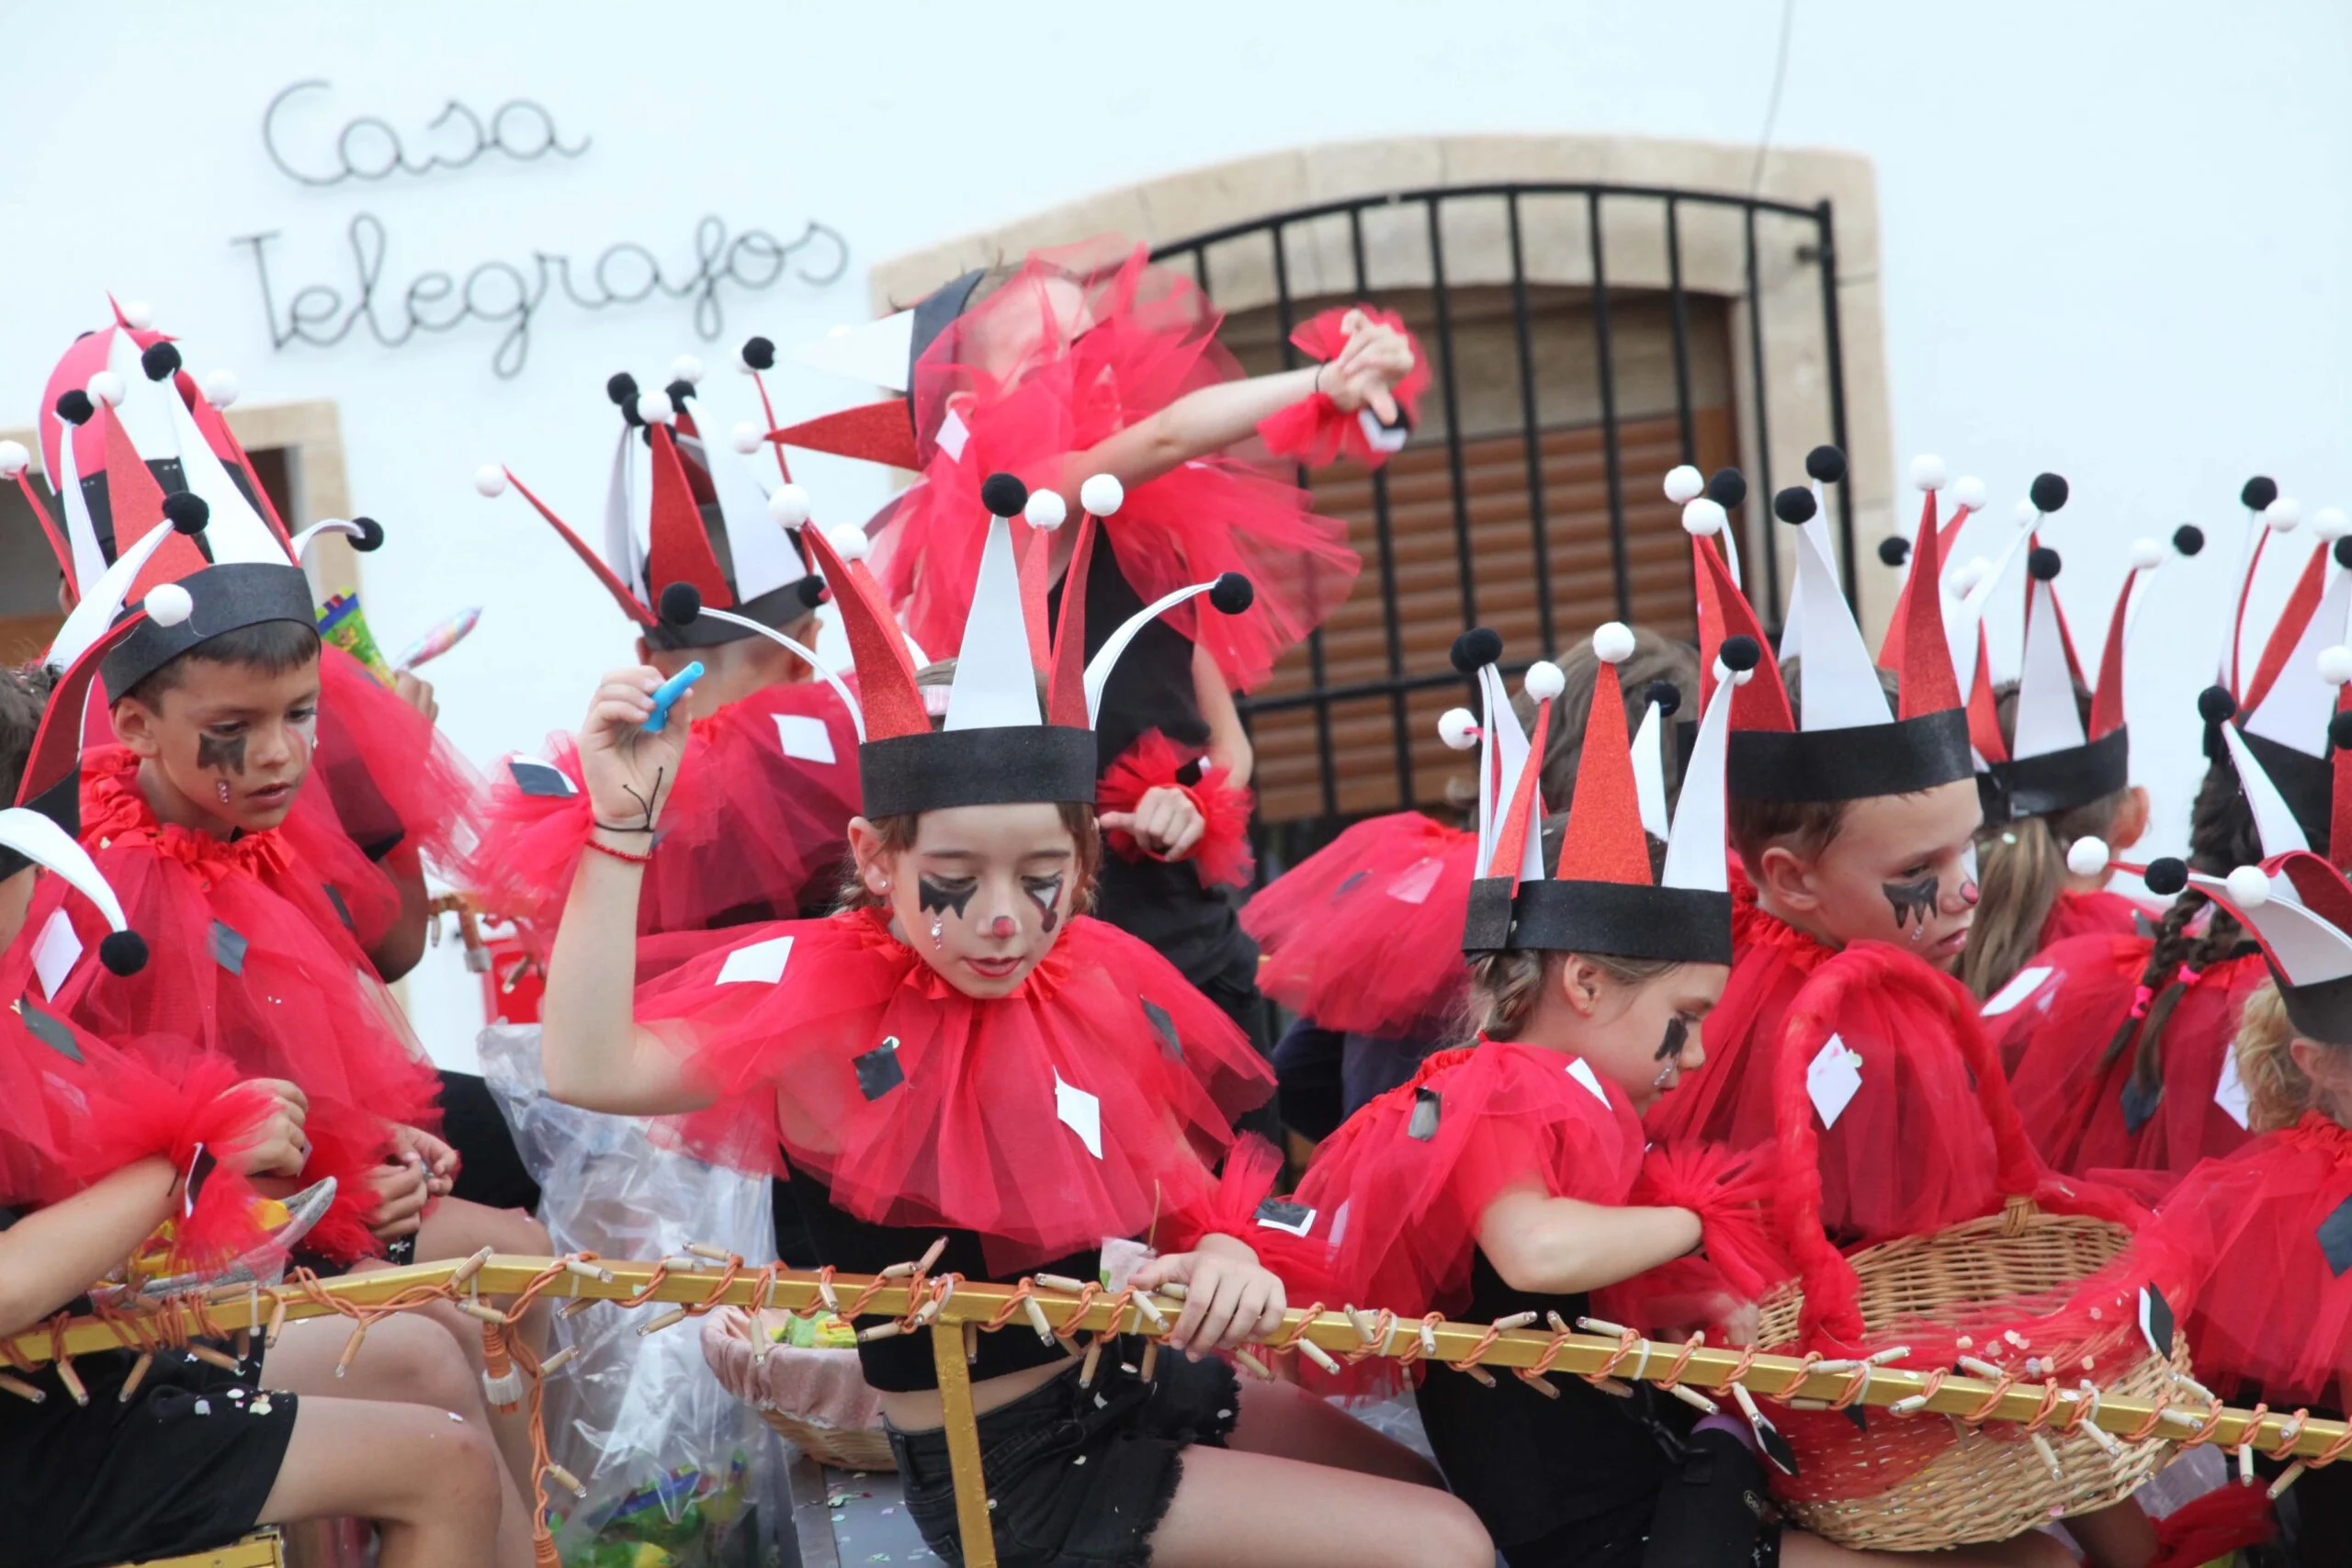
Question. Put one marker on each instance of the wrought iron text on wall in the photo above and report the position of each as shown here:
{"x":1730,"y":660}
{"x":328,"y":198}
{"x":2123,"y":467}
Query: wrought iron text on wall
{"x":501,"y":291}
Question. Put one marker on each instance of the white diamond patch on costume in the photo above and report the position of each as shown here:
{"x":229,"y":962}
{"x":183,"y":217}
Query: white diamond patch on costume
{"x":1832,"y":1079}
{"x":1582,"y":1072}
{"x":2024,"y":985}
{"x":953,"y":433}
{"x":56,"y":952}
{"x":759,"y":964}
{"x":1081,"y":1112}
{"x":2230,"y":1093}
{"x":804,"y":739}
{"x":1418,"y":881}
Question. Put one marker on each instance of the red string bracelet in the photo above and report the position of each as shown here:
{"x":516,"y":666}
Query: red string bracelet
{"x":604,"y":848}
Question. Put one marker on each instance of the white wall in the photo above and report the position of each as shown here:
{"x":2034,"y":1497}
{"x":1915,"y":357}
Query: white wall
{"x":2112,"y":232}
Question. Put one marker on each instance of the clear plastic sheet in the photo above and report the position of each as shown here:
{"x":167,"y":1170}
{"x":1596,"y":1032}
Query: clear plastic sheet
{"x":680,"y":1473}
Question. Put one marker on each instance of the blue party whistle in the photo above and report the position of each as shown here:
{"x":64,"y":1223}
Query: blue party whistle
{"x":667,"y":694}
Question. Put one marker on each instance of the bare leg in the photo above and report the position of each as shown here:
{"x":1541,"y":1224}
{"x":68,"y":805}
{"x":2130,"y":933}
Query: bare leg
{"x":458,"y":1229}
{"x":2121,"y":1536}
{"x":1237,"y":1508}
{"x":430,"y":1483}
{"x":2031,"y":1549}
{"x":1284,"y":1419}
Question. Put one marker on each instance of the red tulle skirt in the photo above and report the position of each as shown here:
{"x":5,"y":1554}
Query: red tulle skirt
{"x":1364,"y":936}
{"x":248,"y":959}
{"x":2070,"y":1094}
{"x":1083,"y":342}
{"x":756,"y":828}
{"x":391,"y":774}
{"x":46,"y":1059}
{"x":2087,"y":914}
{"x":1399,"y":1190}
{"x":1085,"y":1105}
{"x":2245,"y":1243}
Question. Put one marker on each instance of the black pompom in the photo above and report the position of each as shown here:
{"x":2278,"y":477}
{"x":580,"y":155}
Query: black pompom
{"x":680,"y":390}
{"x":1232,"y":593}
{"x":1795,"y":505}
{"x":811,"y":589}
{"x":74,"y":407}
{"x":1728,"y":489}
{"x":2343,"y":548}
{"x":123,"y":952}
{"x":1827,"y":464}
{"x":1477,"y":649}
{"x":2258,"y":492}
{"x":186,"y":511}
{"x":1003,"y":495}
{"x":160,"y":360}
{"x":2340,"y":731}
{"x":1663,"y":695}
{"x":2049,"y":492}
{"x":634,"y":419}
{"x":2166,"y":877}
{"x":371,"y":535}
{"x":2189,"y":538}
{"x":2042,"y":562}
{"x":2214,"y":703}
{"x":1894,"y":549}
{"x":759,"y":353}
{"x":1742,"y":652}
{"x":681,"y":605}
{"x":620,"y":387}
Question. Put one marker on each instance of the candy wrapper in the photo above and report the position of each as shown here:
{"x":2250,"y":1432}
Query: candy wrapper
{"x":342,"y":623}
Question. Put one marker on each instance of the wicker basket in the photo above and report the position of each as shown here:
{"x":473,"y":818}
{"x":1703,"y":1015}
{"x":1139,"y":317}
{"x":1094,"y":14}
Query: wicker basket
{"x":1946,"y":1484}
{"x":815,"y":1399}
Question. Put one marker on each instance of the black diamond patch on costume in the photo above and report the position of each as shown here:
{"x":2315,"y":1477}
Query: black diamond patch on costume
{"x":2140,"y":1104}
{"x":2336,"y":1237}
{"x":228,"y":947}
{"x":1350,"y":885}
{"x":538,"y":778}
{"x":341,"y":909}
{"x":2156,"y":1319}
{"x":1776,"y":1447}
{"x":50,"y":1031}
{"x":1860,"y":1415}
{"x":1283,"y":1214}
{"x":1427,"y":1105}
{"x":877,"y":1070}
{"x":1166,"y":1026}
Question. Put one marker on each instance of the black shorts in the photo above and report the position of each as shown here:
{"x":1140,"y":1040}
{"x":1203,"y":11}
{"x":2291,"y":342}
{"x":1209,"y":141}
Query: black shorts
{"x":186,"y":1466}
{"x":1710,"y":1512}
{"x":1076,"y":1478}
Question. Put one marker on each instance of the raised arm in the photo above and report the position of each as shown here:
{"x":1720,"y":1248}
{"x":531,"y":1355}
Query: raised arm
{"x":591,"y":1049}
{"x":1229,"y":745}
{"x":1560,"y":1246}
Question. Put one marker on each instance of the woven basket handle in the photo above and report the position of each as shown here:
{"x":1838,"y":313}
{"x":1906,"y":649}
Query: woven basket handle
{"x":1832,"y":1291}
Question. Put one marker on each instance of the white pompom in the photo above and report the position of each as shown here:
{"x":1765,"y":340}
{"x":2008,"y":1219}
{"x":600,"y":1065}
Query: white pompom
{"x":1968,"y":493}
{"x":1045,"y":510}
{"x":167,"y":604}
{"x":2329,"y":524}
{"x":491,"y":480}
{"x":1703,"y":518}
{"x":2087,"y":857}
{"x":747,"y":436}
{"x":14,"y":459}
{"x":1736,"y":677}
{"x":2282,"y":514}
{"x":655,"y":408}
{"x":220,"y":389}
{"x":686,"y":368}
{"x":2336,"y":664}
{"x":1545,"y":680}
{"x":1458,"y":728}
{"x":849,"y":541}
{"x":1928,"y":471}
{"x":1684,"y":483}
{"x":789,"y":506}
{"x":106,"y":387}
{"x":2028,"y":514}
{"x":1613,"y":641}
{"x":138,"y":314}
{"x":2249,"y":888}
{"x":2148,"y":554}
{"x":1969,"y":573}
{"x":1101,"y":495}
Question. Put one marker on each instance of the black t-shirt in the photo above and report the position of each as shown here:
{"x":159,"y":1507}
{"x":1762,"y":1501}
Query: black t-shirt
{"x":1191,"y":924}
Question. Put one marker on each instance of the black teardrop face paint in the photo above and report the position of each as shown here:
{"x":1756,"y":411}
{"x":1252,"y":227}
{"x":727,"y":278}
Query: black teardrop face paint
{"x":221,"y":756}
{"x":936,"y":897}
{"x":1678,"y":1034}
{"x":1911,"y":900}
{"x":1047,"y":894}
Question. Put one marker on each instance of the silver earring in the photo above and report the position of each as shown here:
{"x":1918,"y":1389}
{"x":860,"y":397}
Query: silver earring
{"x":938,"y":924}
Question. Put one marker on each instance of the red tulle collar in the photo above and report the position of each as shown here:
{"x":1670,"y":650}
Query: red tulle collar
{"x":1752,"y":927}
{"x":114,"y":809}
{"x":872,"y":928}
{"x":2319,"y":1134}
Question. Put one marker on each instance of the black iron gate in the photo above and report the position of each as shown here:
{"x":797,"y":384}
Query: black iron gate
{"x":1537,"y":334}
